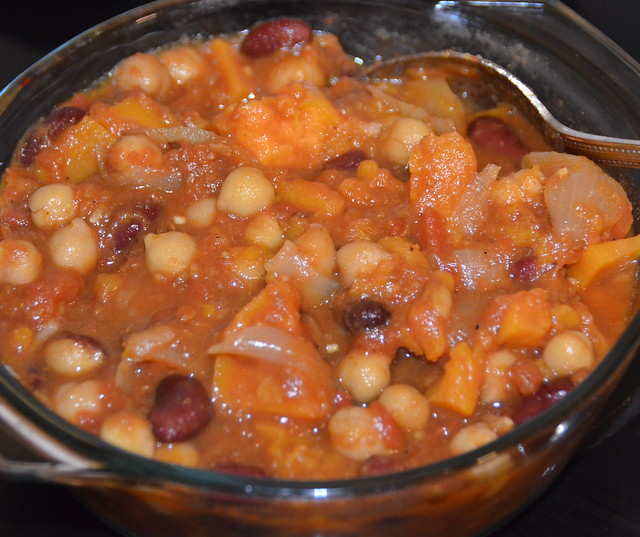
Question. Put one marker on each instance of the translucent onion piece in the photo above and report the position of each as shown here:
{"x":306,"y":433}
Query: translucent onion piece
{"x":473,"y":206}
{"x":273,"y":345}
{"x":155,"y":344}
{"x":191,"y":135}
{"x":315,"y":288}
{"x":138,"y":176}
{"x":479,"y":269}
{"x":585,"y":205}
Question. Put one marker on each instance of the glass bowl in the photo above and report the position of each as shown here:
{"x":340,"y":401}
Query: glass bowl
{"x":586,"y":82}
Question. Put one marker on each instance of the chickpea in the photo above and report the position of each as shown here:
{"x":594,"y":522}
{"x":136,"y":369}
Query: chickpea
{"x":169,"y":253}
{"x":20,"y":262}
{"x":81,"y":402}
{"x":408,"y":407}
{"x":317,"y":246}
{"x":182,"y":63}
{"x":301,"y":68}
{"x":472,"y":437}
{"x":264,"y":230}
{"x":75,"y":246}
{"x":358,"y":257}
{"x":74,"y":356}
{"x":567,"y":352}
{"x":129,"y":431}
{"x":365,"y":375}
{"x":133,"y":151}
{"x":183,"y":453}
{"x":202,"y":213}
{"x":52,"y":206}
{"x":497,"y":385}
{"x":401,"y":137}
{"x":354,"y":433}
{"x":245,"y":191}
{"x":143,"y":72}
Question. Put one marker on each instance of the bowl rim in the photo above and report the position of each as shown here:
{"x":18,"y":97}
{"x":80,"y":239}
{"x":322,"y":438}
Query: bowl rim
{"x":116,"y":462}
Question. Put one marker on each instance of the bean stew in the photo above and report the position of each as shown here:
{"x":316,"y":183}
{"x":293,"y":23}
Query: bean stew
{"x":236,"y":254}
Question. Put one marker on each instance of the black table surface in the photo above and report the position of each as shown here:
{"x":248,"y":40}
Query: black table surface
{"x":597,"y":495}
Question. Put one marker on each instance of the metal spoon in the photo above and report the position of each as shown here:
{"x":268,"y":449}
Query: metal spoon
{"x":606,"y":150}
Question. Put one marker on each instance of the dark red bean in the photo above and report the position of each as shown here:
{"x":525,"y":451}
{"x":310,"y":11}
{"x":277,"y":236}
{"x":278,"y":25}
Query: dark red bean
{"x":365,"y":314}
{"x":62,"y":118}
{"x":126,"y":232}
{"x":537,"y":402}
{"x":131,"y":223}
{"x":525,"y":269}
{"x":182,"y":409}
{"x":379,"y":465}
{"x":348,"y":160}
{"x":267,"y":37}
{"x":151,"y":209}
{"x":492,"y":134}
{"x":31,"y":146}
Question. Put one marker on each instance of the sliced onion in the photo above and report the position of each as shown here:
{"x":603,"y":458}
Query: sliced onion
{"x":192,"y":135}
{"x":273,"y":345}
{"x":155,"y":344}
{"x":479,"y":269}
{"x":405,"y":108}
{"x":585,"y":204}
{"x":138,"y":176}
{"x":142,"y":344}
{"x":473,"y":206}
{"x":315,"y":288}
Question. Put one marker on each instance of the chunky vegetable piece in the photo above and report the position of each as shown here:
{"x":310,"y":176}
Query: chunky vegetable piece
{"x":234,"y":254}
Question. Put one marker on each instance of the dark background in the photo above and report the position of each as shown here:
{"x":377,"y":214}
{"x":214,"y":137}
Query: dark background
{"x":598,"y":495}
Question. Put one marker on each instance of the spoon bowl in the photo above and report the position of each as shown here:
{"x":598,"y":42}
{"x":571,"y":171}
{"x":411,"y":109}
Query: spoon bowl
{"x":496,"y":82}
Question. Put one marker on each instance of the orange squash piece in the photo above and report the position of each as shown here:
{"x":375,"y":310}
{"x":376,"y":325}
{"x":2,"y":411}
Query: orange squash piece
{"x":441,"y":168}
{"x":293,"y":129}
{"x":74,"y":157}
{"x":527,"y":320}
{"x":298,"y":387}
{"x":459,"y":387}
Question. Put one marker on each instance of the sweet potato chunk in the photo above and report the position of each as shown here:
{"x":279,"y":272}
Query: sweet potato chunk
{"x":293,"y":129}
{"x":281,"y":373}
{"x":459,"y":387}
{"x":441,"y":167}
{"x":527,"y":319}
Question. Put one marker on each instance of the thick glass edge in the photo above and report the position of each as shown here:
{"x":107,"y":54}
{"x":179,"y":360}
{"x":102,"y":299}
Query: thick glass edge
{"x":119,"y":461}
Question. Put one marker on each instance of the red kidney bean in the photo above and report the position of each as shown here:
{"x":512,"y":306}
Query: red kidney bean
{"x":31,"y":146}
{"x":62,"y":118}
{"x":41,"y":135}
{"x":151,"y":209}
{"x":126,"y":232}
{"x":130,"y":223}
{"x":534,"y":404}
{"x":493,"y":134}
{"x":182,"y":409}
{"x":365,"y":314}
{"x":524,"y":269}
{"x":348,"y":160}
{"x":267,"y":37}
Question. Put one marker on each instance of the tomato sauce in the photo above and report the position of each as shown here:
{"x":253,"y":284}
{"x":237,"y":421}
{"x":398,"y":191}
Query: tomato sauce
{"x":236,"y":254}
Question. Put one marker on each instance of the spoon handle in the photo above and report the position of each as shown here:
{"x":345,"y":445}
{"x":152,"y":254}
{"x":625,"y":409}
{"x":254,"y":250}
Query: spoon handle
{"x":605,"y":150}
